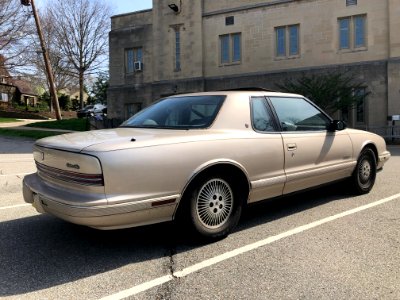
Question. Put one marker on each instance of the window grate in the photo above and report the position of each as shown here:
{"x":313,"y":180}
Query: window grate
{"x":229,"y":20}
{"x":351,"y":2}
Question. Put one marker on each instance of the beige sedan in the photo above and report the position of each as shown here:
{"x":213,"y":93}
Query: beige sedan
{"x":199,"y":158}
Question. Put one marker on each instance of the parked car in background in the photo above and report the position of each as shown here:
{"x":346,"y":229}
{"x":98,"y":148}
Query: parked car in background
{"x":199,"y":158}
{"x":90,"y":110}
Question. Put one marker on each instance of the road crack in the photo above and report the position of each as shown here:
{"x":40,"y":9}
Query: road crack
{"x":166,"y":290}
{"x":171,"y":265}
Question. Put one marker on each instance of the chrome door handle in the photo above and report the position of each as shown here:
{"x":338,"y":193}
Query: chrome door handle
{"x":291,"y":147}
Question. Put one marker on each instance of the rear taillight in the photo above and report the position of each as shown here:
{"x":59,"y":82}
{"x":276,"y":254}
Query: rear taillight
{"x":79,"y":178}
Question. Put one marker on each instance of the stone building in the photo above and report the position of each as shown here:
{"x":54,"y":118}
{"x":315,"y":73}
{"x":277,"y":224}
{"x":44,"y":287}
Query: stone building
{"x":200,"y":45}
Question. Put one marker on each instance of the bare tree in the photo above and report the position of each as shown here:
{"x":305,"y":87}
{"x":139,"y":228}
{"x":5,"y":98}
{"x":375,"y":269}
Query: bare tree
{"x":15,"y":27}
{"x":82,"y":31}
{"x":62,"y":69}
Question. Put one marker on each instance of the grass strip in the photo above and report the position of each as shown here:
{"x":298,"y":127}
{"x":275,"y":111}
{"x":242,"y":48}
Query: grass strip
{"x":32,"y":134}
{"x":68,"y":124}
{"x":9,"y":120}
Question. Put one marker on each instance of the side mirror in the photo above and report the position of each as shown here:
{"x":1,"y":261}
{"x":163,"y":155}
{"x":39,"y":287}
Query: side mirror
{"x":336,"y":125}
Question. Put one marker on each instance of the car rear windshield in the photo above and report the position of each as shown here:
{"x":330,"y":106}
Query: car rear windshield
{"x":186,"y":112}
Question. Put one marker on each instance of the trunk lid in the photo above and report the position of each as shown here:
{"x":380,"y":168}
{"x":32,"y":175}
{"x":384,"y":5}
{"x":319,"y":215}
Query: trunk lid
{"x":123,"y":138}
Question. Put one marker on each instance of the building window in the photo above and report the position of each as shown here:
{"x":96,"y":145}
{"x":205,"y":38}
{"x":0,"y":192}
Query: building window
{"x":345,"y":115}
{"x":177,"y":49}
{"x":287,"y":40}
{"x":352,"y":32}
{"x":280,"y":41}
{"x":344,"y":33}
{"x":231,"y":48}
{"x":131,"y":109}
{"x":360,"y":109}
{"x":351,"y":2}
{"x":294,"y":40}
{"x":134,"y":60}
{"x":359,"y":31}
{"x":3,"y":97}
{"x":360,"y":112}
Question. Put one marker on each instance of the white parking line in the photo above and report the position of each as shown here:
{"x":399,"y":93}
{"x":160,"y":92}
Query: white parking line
{"x":220,"y":258}
{"x":14,"y":206}
{"x":140,"y":288}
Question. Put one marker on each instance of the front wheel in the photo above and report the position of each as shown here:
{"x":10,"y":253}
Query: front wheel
{"x":215,"y":207}
{"x":364,"y":174}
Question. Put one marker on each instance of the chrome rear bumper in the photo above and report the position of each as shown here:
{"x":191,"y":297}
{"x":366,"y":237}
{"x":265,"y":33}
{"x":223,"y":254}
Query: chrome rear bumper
{"x":93,"y":210}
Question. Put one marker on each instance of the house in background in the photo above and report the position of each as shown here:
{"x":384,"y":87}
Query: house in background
{"x":7,"y":90}
{"x":15,"y":91}
{"x":24,"y":93}
{"x":183,"y":46}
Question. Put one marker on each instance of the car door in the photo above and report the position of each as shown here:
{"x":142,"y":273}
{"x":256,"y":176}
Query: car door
{"x":313,"y":155}
{"x":267,"y":173}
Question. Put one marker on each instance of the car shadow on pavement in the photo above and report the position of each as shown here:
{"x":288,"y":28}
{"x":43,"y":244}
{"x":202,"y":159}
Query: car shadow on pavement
{"x":277,"y":208}
{"x":41,"y":252}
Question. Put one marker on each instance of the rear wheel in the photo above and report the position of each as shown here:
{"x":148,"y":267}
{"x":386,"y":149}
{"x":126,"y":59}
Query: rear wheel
{"x":215,"y":206}
{"x":364,"y":175}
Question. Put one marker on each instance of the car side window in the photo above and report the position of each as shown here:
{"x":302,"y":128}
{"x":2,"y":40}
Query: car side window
{"x":297,"y":114}
{"x":260,"y":115}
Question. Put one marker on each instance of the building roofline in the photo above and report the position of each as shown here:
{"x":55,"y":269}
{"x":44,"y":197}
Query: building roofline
{"x":132,"y":13}
{"x":19,"y":90}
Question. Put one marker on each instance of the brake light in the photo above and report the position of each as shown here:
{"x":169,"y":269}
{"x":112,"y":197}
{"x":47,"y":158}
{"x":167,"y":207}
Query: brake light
{"x":68,"y":176}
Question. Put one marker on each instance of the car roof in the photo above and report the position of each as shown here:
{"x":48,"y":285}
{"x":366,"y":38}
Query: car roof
{"x":247,"y":92}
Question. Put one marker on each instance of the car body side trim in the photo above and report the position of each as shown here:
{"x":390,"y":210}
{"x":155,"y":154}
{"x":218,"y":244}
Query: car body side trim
{"x":268,"y":182}
{"x":321,"y":171}
{"x":299,"y":175}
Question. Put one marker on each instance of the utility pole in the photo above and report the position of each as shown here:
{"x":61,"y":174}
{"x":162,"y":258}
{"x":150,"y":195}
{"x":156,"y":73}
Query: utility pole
{"x":49,"y":71}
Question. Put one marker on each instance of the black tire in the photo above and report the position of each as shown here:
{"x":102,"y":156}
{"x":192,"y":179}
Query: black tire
{"x":214,"y":207}
{"x":364,"y":174}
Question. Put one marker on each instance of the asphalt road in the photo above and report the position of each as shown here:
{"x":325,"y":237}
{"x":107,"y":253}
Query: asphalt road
{"x":324,"y":244}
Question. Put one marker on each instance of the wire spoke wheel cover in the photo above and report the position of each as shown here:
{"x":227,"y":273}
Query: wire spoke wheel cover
{"x":214,"y":203}
{"x":364,"y":171}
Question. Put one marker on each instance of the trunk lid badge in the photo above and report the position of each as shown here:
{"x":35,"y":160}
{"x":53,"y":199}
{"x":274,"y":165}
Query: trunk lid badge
{"x":73,"y":166}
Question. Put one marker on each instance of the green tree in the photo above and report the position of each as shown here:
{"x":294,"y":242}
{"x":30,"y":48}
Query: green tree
{"x":331,"y":91}
{"x":65,"y":102}
{"x":45,"y":98}
{"x":99,"y":89}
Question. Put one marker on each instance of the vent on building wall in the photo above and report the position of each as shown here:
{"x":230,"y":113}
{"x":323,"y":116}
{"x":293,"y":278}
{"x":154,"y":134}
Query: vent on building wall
{"x":351,"y":2}
{"x":138,"y":66}
{"x":229,"y":21}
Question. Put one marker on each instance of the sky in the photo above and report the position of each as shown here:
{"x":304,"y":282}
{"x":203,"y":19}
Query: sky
{"x":120,"y":6}
{"x":126,"y":6}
